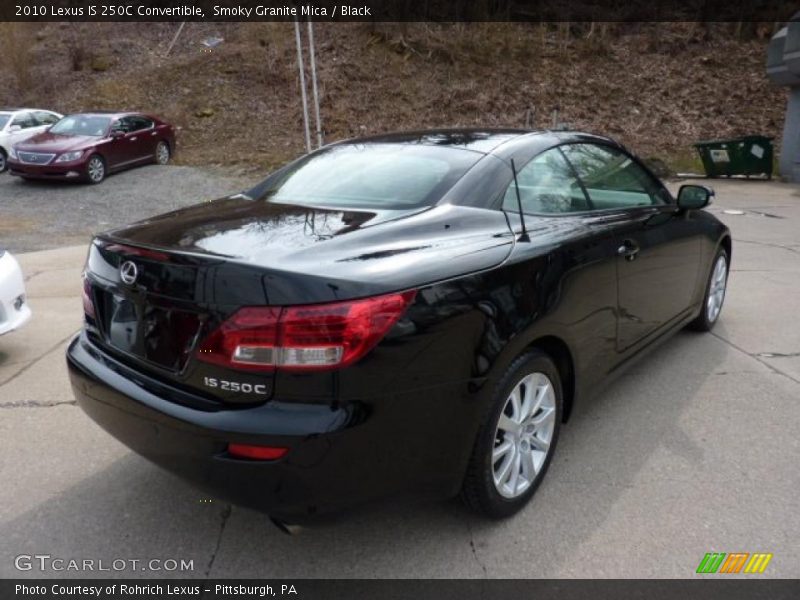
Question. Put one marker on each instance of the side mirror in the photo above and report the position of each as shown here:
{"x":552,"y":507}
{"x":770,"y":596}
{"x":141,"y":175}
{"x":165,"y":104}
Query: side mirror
{"x":14,"y":128}
{"x":117,"y":133}
{"x":692,"y":197}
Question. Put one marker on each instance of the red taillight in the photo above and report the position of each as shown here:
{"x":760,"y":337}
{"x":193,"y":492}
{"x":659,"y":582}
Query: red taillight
{"x":88,"y":303}
{"x":303,"y":338}
{"x":256,"y":452}
{"x":254,"y":329}
{"x":337,"y":335}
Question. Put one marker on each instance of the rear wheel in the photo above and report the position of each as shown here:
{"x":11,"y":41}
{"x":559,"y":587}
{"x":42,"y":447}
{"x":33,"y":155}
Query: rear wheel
{"x":95,"y":169}
{"x":162,"y":153}
{"x":715,"y":293}
{"x":517,"y":439}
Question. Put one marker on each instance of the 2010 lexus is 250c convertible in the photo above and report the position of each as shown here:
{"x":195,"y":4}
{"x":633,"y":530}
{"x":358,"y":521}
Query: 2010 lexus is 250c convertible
{"x":415,"y":312}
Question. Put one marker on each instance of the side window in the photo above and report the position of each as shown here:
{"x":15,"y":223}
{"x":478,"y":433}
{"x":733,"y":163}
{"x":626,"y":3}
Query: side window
{"x":139,"y":123}
{"x":45,"y":118}
{"x":612,"y":178}
{"x":546,"y":185}
{"x":24,"y":121}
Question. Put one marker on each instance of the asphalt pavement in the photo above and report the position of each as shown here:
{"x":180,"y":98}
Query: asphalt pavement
{"x":35,"y":215}
{"x":696,"y":449}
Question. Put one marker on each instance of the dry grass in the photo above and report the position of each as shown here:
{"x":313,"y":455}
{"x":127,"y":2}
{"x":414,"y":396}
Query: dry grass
{"x":656,"y":87}
{"x":115,"y":94}
{"x":16,"y":43}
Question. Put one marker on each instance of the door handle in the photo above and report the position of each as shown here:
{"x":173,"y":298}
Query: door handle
{"x":133,"y":139}
{"x":629,"y":249}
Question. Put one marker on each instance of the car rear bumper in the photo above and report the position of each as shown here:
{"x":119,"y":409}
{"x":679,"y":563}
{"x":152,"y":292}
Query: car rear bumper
{"x":14,"y":309}
{"x":339,"y":456}
{"x":63,"y":171}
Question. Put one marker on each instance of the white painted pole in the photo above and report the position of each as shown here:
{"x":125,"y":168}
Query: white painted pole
{"x":302,"y":83}
{"x":314,"y":82}
{"x":175,"y":38}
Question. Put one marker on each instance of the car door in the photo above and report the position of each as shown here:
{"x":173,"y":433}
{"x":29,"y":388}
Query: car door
{"x":117,"y":150}
{"x":658,"y":248}
{"x":141,"y":144}
{"x":23,"y":126}
{"x":567,"y":269}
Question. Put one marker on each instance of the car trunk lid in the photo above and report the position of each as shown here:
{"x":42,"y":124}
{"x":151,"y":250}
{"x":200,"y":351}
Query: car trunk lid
{"x":162,"y":286}
{"x":151,"y":308}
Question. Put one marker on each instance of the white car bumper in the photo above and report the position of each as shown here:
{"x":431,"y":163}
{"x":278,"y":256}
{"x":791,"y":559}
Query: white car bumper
{"x":14,"y":309}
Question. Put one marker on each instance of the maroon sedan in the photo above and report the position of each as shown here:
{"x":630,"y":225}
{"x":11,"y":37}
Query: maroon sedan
{"x":88,"y":146}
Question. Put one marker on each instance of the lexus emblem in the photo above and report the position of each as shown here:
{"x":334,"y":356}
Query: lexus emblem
{"x":128,"y":272}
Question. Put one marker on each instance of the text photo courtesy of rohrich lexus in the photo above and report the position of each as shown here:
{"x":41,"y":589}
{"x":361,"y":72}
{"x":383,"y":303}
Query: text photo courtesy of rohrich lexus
{"x":442,"y":292}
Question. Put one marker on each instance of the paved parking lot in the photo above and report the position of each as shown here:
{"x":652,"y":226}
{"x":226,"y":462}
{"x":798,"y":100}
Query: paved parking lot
{"x":695,"y":450}
{"x":35,"y":215}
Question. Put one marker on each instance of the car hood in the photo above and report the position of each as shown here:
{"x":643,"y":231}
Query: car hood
{"x":386,"y":249}
{"x":50,"y":142}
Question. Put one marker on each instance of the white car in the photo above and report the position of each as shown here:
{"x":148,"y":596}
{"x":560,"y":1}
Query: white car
{"x":19,"y":124}
{"x":14,"y":309}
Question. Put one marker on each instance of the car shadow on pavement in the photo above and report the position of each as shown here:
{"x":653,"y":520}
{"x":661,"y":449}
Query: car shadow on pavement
{"x":612,"y":445}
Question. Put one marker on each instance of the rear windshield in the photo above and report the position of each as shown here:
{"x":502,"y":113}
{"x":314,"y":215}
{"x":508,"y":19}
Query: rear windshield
{"x":82,"y":125}
{"x":388,"y":176}
{"x":3,"y":120}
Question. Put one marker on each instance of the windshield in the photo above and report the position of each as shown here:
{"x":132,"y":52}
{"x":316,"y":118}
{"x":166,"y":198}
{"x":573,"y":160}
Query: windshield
{"x":4,"y":119}
{"x":82,"y":125}
{"x":388,"y":176}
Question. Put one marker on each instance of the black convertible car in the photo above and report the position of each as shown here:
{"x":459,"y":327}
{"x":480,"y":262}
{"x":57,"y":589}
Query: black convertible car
{"x":413,"y":312}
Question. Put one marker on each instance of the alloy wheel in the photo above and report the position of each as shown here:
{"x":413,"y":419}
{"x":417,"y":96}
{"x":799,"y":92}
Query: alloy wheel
{"x":96,"y":169}
{"x":524,"y":435}
{"x":162,"y":153}
{"x":716,"y":289}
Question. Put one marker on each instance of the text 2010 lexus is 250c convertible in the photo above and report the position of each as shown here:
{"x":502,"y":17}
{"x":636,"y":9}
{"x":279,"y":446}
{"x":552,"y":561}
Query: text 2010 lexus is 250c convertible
{"x":416,"y":312}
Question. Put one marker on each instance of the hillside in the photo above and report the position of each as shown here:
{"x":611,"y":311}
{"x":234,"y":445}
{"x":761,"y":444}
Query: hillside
{"x":656,"y":87}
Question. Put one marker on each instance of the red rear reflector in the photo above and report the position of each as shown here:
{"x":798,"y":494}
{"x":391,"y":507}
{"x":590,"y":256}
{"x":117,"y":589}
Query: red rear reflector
{"x":256,"y":452}
{"x":303,"y":338}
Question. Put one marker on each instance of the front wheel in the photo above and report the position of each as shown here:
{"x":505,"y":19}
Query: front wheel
{"x":715,"y":293}
{"x":3,"y":161}
{"x":162,"y":153}
{"x":517,"y":439}
{"x":95,"y":169}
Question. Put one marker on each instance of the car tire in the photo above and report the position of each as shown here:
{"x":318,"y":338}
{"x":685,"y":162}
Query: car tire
{"x":3,"y":161}
{"x":714,"y":297}
{"x":95,"y":169}
{"x":162,"y":153}
{"x":490,"y":485}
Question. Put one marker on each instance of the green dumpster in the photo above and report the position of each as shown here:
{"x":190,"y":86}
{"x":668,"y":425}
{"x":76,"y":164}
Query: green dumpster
{"x":747,"y":155}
